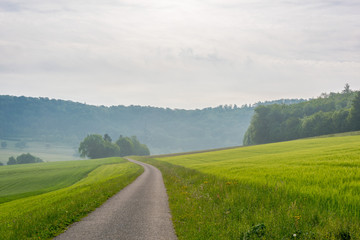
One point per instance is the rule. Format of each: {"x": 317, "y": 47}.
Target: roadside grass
{"x": 304, "y": 189}
{"x": 46, "y": 215}
{"x": 24, "y": 180}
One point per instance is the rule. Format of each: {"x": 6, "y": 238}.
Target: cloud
{"x": 178, "y": 53}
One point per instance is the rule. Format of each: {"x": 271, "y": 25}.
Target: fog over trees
{"x": 163, "y": 130}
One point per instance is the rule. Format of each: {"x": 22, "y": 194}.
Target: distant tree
{"x": 1, "y": 164}
{"x": 355, "y": 112}
{"x": 27, "y": 158}
{"x": 3, "y": 144}
{"x": 347, "y": 89}
{"x": 107, "y": 138}
{"x": 126, "y": 146}
{"x": 12, "y": 161}
{"x": 94, "y": 146}
{"x": 138, "y": 148}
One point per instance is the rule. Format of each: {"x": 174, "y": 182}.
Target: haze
{"x": 178, "y": 54}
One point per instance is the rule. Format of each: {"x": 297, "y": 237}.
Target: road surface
{"x": 139, "y": 211}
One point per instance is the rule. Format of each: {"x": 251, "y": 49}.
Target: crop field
{"x": 304, "y": 189}
{"x": 39, "y": 200}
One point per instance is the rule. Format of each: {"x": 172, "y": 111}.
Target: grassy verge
{"x": 305, "y": 189}
{"x": 45, "y": 216}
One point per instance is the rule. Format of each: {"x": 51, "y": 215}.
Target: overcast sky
{"x": 178, "y": 54}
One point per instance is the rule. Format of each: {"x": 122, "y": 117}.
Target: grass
{"x": 46, "y": 215}
{"x": 49, "y": 152}
{"x": 18, "y": 181}
{"x": 304, "y": 189}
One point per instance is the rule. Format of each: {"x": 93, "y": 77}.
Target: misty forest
{"x": 164, "y": 130}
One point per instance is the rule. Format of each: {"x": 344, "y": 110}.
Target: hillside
{"x": 39, "y": 201}
{"x": 327, "y": 114}
{"x": 163, "y": 130}
{"x": 302, "y": 189}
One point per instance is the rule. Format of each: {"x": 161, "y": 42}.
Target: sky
{"x": 179, "y": 54}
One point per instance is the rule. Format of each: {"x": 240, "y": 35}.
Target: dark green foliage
{"x": 1, "y": 164}
{"x": 328, "y": 114}
{"x": 12, "y": 161}
{"x": 164, "y": 130}
{"x": 107, "y": 138}
{"x": 355, "y": 113}
{"x": 95, "y": 146}
{"x": 256, "y": 232}
{"x": 126, "y": 146}
{"x": 24, "y": 159}
{"x": 27, "y": 158}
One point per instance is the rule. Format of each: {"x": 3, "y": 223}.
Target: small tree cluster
{"x": 24, "y": 159}
{"x": 96, "y": 146}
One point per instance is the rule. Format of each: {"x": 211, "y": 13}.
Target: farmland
{"x": 304, "y": 189}
{"x": 40, "y": 200}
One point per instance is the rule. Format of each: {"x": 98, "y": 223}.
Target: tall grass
{"x": 46, "y": 215}
{"x": 305, "y": 189}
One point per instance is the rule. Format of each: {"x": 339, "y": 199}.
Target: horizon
{"x": 163, "y": 107}
{"x": 181, "y": 55}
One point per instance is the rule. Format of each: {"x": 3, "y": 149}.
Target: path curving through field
{"x": 139, "y": 211}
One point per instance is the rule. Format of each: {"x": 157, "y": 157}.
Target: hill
{"x": 302, "y": 189}
{"x": 164, "y": 130}
{"x": 38, "y": 201}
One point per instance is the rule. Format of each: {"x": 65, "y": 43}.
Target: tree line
{"x": 328, "y": 114}
{"x": 97, "y": 146}
{"x": 24, "y": 159}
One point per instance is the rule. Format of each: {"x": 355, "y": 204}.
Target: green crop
{"x": 304, "y": 189}
{"x": 45, "y": 215}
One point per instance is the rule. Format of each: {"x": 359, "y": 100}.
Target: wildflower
{"x": 294, "y": 235}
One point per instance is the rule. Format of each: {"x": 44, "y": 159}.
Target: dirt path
{"x": 139, "y": 211}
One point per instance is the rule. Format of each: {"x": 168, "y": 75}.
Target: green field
{"x": 49, "y": 152}
{"x": 40, "y": 200}
{"x": 304, "y": 189}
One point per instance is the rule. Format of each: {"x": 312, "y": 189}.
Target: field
{"x": 304, "y": 189}
{"x": 40, "y": 200}
{"x": 48, "y": 152}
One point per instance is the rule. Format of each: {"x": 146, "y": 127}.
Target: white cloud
{"x": 178, "y": 53}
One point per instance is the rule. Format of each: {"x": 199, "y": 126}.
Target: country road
{"x": 139, "y": 211}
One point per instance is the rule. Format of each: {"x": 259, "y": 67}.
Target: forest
{"x": 163, "y": 130}
{"x": 327, "y": 114}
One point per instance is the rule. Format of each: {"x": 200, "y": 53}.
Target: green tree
{"x": 107, "y": 138}
{"x": 355, "y": 112}
{"x": 27, "y": 158}
{"x": 12, "y": 161}
{"x": 1, "y": 164}
{"x": 346, "y": 89}
{"x": 94, "y": 146}
{"x": 139, "y": 149}
{"x": 126, "y": 146}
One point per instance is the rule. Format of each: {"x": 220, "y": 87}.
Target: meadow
{"x": 303, "y": 189}
{"x": 40, "y": 200}
{"x": 47, "y": 151}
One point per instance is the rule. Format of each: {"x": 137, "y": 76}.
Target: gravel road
{"x": 139, "y": 211}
